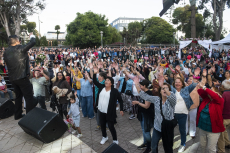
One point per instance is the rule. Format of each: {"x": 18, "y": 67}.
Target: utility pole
{"x": 39, "y": 27}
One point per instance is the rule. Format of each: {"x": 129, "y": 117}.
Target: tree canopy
{"x": 181, "y": 17}
{"x": 57, "y": 27}
{"x": 14, "y": 12}
{"x": 43, "y": 41}
{"x": 84, "y": 31}
{"x": 157, "y": 31}
{"x": 218, "y": 7}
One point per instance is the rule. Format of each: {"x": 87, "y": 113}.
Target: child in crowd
{"x": 74, "y": 111}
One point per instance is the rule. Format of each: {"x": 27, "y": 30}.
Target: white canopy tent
{"x": 223, "y": 41}
{"x": 204, "y": 43}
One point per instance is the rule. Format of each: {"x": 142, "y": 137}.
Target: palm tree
{"x": 57, "y": 27}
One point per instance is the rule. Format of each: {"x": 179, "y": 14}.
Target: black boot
{"x": 148, "y": 149}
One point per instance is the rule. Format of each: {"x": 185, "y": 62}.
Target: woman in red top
{"x": 209, "y": 118}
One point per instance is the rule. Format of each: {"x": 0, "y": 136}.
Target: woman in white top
{"x": 106, "y": 106}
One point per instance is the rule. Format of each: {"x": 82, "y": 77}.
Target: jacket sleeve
{"x": 96, "y": 83}
{"x": 29, "y": 45}
{"x": 203, "y": 94}
{"x": 151, "y": 99}
{"x": 191, "y": 87}
{"x": 216, "y": 98}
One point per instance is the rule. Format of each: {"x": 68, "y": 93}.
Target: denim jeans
{"x": 9, "y": 92}
{"x": 99, "y": 55}
{"x": 181, "y": 119}
{"x": 87, "y": 106}
{"x": 156, "y": 136}
{"x": 41, "y": 101}
{"x": 146, "y": 135}
{"x": 79, "y": 96}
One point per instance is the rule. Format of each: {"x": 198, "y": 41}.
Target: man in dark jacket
{"x": 17, "y": 61}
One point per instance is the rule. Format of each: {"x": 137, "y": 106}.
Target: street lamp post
{"x": 101, "y": 38}
{"x": 174, "y": 39}
{"x": 124, "y": 41}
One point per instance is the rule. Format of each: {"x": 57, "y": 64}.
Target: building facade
{"x": 122, "y": 22}
{"x": 51, "y": 36}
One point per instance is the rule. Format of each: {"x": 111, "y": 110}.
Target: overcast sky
{"x": 62, "y": 12}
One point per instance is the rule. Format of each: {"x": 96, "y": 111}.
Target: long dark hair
{"x": 63, "y": 77}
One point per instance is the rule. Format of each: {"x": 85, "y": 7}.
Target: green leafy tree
{"x": 218, "y": 7}
{"x": 37, "y": 41}
{"x": 31, "y": 26}
{"x": 113, "y": 35}
{"x": 157, "y": 31}
{"x": 57, "y": 27}
{"x": 125, "y": 36}
{"x": 14, "y": 12}
{"x": 24, "y": 26}
{"x": 182, "y": 18}
{"x": 55, "y": 43}
{"x": 3, "y": 36}
{"x": 135, "y": 31}
{"x": 84, "y": 31}
{"x": 43, "y": 41}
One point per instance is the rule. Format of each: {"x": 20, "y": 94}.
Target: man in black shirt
{"x": 17, "y": 61}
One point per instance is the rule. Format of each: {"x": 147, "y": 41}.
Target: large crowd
{"x": 152, "y": 84}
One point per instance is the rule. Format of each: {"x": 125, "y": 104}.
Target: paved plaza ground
{"x": 14, "y": 140}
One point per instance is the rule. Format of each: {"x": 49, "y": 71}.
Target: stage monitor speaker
{"x": 43, "y": 125}
{"x": 6, "y": 108}
{"x": 114, "y": 148}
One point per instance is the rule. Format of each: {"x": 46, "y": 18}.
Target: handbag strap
{"x": 161, "y": 109}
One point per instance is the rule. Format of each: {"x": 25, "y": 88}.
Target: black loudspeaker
{"x": 6, "y": 108}
{"x": 43, "y": 125}
{"x": 114, "y": 148}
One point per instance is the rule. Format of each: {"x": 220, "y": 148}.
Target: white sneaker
{"x": 181, "y": 148}
{"x": 115, "y": 141}
{"x": 132, "y": 117}
{"x": 74, "y": 131}
{"x": 104, "y": 140}
{"x": 79, "y": 135}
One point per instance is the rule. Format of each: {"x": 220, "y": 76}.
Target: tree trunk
{"x": 57, "y": 36}
{"x": 220, "y": 12}
{"x": 18, "y": 20}
{"x": 214, "y": 20}
{"x": 4, "y": 22}
{"x": 193, "y": 22}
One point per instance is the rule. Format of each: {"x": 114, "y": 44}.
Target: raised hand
{"x": 178, "y": 67}
{"x": 209, "y": 71}
{"x": 204, "y": 73}
{"x": 213, "y": 69}
{"x": 197, "y": 71}
{"x": 95, "y": 70}
{"x": 91, "y": 66}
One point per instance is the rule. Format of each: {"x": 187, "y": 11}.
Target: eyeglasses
{"x": 59, "y": 75}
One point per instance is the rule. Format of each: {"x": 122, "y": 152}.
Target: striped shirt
{"x": 167, "y": 109}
